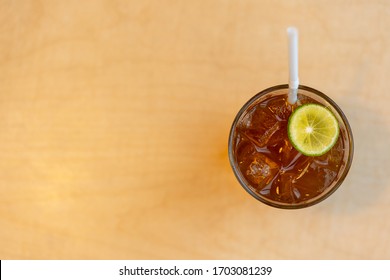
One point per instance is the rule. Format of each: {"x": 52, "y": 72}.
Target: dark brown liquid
{"x": 270, "y": 164}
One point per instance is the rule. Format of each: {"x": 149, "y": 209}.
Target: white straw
{"x": 293, "y": 64}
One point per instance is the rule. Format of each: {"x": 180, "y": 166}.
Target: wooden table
{"x": 115, "y": 115}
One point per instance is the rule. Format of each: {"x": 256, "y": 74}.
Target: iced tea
{"x": 266, "y": 163}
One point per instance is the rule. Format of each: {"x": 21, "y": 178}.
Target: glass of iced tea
{"x": 270, "y": 167}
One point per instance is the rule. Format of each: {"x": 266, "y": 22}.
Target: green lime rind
{"x": 313, "y": 129}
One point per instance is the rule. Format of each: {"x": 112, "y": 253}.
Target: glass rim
{"x": 321, "y": 196}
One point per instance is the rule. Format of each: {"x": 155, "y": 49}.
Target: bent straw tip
{"x": 292, "y": 30}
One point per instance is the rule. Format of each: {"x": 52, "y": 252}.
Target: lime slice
{"x": 313, "y": 129}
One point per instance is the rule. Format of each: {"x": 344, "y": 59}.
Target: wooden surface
{"x": 114, "y": 120}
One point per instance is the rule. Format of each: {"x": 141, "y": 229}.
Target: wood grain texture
{"x": 114, "y": 119}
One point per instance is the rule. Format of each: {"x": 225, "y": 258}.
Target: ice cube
{"x": 259, "y": 170}
{"x": 285, "y": 191}
{"x": 292, "y": 160}
{"x": 280, "y": 108}
{"x": 313, "y": 179}
{"x": 332, "y": 159}
{"x": 262, "y": 138}
{"x": 257, "y": 119}
{"x": 323, "y": 170}
{"x": 244, "y": 148}
{"x": 266, "y": 123}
